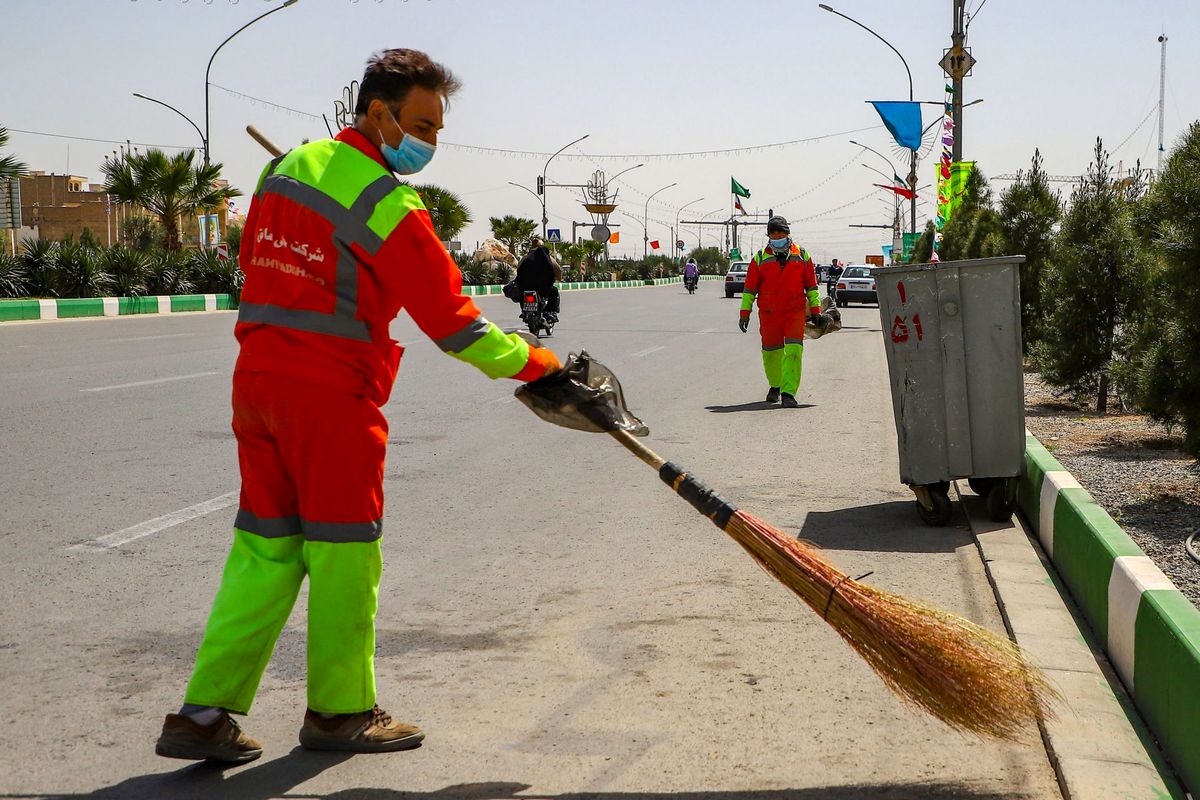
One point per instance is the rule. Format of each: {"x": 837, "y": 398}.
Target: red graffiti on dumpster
{"x": 899, "y": 331}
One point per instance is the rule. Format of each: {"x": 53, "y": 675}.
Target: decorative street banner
{"x": 950, "y": 190}
{"x": 909, "y": 244}
{"x": 903, "y": 119}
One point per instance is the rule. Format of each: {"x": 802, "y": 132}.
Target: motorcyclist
{"x": 538, "y": 272}
{"x": 691, "y": 272}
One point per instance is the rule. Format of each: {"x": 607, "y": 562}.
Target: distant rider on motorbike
{"x": 537, "y": 272}
{"x": 691, "y": 272}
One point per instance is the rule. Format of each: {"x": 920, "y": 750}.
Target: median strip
{"x": 76, "y": 307}
{"x": 1149, "y": 629}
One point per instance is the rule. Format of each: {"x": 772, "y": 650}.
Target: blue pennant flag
{"x": 903, "y": 121}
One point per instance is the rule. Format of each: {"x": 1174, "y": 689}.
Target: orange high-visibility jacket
{"x": 333, "y": 248}
{"x": 782, "y": 287}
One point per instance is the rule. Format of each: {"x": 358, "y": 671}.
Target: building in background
{"x": 57, "y": 206}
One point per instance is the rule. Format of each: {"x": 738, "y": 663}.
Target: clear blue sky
{"x": 640, "y": 76}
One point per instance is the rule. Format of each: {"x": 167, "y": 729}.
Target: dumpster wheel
{"x": 933, "y": 504}
{"x": 1001, "y": 499}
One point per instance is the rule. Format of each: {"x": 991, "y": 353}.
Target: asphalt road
{"x": 560, "y": 624}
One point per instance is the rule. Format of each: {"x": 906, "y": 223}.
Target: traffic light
{"x": 541, "y": 184}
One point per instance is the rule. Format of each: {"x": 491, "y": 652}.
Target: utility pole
{"x": 958, "y": 39}
{"x": 1162, "y": 97}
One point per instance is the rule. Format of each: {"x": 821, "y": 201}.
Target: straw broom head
{"x": 962, "y": 673}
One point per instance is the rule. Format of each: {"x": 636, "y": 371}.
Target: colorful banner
{"x": 903, "y": 119}
{"x": 950, "y": 190}
{"x": 908, "y": 245}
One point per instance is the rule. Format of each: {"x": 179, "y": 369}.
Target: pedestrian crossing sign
{"x": 554, "y": 235}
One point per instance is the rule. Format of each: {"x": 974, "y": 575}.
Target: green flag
{"x": 949, "y": 88}
{"x": 738, "y": 189}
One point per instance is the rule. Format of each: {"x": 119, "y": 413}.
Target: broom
{"x": 963, "y": 674}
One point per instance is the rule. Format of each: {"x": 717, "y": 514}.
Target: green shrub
{"x": 167, "y": 273}
{"x": 37, "y": 260}
{"x": 129, "y": 269}
{"x": 12, "y": 276}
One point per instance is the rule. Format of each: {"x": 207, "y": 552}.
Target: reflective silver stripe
{"x": 349, "y": 226}
{"x": 266, "y": 527}
{"x": 794, "y": 341}
{"x": 303, "y": 320}
{"x": 342, "y": 531}
{"x": 271, "y": 167}
{"x": 767, "y": 348}
{"x": 457, "y": 342}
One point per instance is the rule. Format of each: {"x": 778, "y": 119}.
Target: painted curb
{"x": 1149, "y": 629}
{"x": 577, "y": 285}
{"x": 69, "y": 308}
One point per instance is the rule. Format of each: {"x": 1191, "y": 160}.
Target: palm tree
{"x": 446, "y": 210}
{"x": 169, "y": 187}
{"x": 10, "y": 167}
{"x": 513, "y": 232}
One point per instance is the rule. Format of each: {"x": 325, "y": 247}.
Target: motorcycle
{"x": 690, "y": 284}
{"x": 534, "y": 314}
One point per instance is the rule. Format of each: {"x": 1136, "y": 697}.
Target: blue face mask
{"x": 412, "y": 156}
{"x": 780, "y": 244}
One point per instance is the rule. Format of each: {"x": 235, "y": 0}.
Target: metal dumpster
{"x": 952, "y": 332}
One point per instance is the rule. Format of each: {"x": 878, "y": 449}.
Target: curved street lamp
{"x": 545, "y": 167}
{"x": 912, "y": 160}
{"x": 674, "y": 247}
{"x": 646, "y": 219}
{"x": 208, "y": 69}
{"x": 203, "y": 140}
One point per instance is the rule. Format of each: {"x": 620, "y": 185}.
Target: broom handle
{"x": 267, "y": 144}
{"x": 701, "y": 498}
{"x": 640, "y": 450}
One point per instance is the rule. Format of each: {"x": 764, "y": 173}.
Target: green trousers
{"x": 783, "y": 365}
{"x": 258, "y": 589}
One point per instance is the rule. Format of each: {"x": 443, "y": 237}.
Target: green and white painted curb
{"x": 13, "y": 310}
{"x": 574, "y": 285}
{"x": 1150, "y": 630}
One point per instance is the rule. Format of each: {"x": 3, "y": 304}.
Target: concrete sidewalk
{"x": 1098, "y": 744}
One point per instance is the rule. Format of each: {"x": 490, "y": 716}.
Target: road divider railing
{"x": 67, "y": 308}
{"x": 1149, "y": 629}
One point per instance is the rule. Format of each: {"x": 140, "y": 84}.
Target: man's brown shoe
{"x": 222, "y": 740}
{"x": 371, "y": 731}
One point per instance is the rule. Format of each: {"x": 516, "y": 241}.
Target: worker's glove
{"x": 744, "y": 323}
{"x": 816, "y": 320}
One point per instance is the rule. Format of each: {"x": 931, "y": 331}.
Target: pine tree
{"x": 1163, "y": 372}
{"x": 974, "y": 230}
{"x": 1028, "y": 213}
{"x": 1092, "y": 285}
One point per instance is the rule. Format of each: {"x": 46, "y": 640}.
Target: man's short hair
{"x": 392, "y": 73}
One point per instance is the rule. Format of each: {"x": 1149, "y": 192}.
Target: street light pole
{"x": 912, "y": 160}
{"x": 203, "y": 141}
{"x": 208, "y": 69}
{"x": 646, "y": 220}
{"x": 674, "y": 235}
{"x": 546, "y": 167}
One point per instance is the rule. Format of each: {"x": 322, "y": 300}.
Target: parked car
{"x": 856, "y": 285}
{"x": 735, "y": 279}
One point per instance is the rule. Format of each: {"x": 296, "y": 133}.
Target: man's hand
{"x": 816, "y": 320}
{"x": 744, "y": 323}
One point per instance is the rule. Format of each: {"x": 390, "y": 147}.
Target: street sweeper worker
{"x": 783, "y": 279}
{"x": 335, "y": 247}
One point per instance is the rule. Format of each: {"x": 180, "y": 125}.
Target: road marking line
{"x": 153, "y": 526}
{"x": 147, "y": 338}
{"x": 648, "y": 351}
{"x": 706, "y": 330}
{"x": 585, "y": 316}
{"x": 148, "y": 383}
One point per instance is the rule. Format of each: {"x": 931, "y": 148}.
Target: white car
{"x": 856, "y": 284}
{"x": 735, "y": 279}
